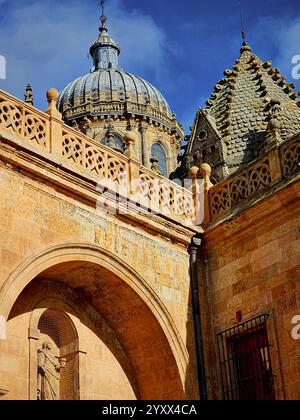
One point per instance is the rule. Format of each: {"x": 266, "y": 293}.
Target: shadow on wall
{"x": 120, "y": 335}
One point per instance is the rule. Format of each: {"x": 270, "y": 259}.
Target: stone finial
{"x": 205, "y": 172}
{"x": 193, "y": 172}
{"x": 29, "y": 95}
{"x": 130, "y": 137}
{"x": 52, "y": 95}
{"x": 273, "y": 136}
{"x": 52, "y": 98}
{"x": 205, "y": 169}
{"x": 274, "y": 124}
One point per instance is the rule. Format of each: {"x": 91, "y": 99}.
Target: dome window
{"x": 117, "y": 141}
{"x": 158, "y": 152}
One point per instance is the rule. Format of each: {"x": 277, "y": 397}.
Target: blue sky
{"x": 181, "y": 47}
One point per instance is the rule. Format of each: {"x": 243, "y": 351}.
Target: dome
{"x": 112, "y": 85}
{"x": 108, "y": 91}
{"x": 121, "y": 110}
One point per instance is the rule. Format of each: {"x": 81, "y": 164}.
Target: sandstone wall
{"x": 251, "y": 263}
{"x": 36, "y": 215}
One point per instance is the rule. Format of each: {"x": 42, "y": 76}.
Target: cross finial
{"x": 103, "y": 27}
{"x": 242, "y": 24}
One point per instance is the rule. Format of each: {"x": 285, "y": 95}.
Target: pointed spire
{"x": 242, "y": 24}
{"x": 29, "y": 94}
{"x": 104, "y": 51}
{"x": 245, "y": 46}
{"x": 103, "y": 27}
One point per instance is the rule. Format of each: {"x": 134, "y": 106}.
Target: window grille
{"x": 245, "y": 362}
{"x": 55, "y": 326}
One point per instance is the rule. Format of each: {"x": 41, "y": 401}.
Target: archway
{"x": 126, "y": 303}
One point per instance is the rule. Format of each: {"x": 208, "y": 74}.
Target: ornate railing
{"x": 278, "y": 164}
{"x": 20, "y": 119}
{"x": 164, "y": 196}
{"x": 90, "y": 155}
{"x": 108, "y": 168}
{"x": 290, "y": 157}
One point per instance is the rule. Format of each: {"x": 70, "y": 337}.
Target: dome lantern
{"x": 105, "y": 51}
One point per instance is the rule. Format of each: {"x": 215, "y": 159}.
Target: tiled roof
{"x": 251, "y": 98}
{"x": 242, "y": 102}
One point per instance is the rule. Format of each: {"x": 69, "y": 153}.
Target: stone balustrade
{"x": 276, "y": 166}
{"x": 127, "y": 178}
{"x": 111, "y": 170}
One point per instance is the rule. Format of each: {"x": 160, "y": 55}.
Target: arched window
{"x": 58, "y": 357}
{"x": 159, "y": 152}
{"x": 117, "y": 140}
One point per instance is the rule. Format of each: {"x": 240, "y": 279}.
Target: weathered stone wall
{"x": 251, "y": 263}
{"x": 36, "y": 215}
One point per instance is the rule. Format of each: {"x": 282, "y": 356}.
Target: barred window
{"x": 245, "y": 362}
{"x": 159, "y": 152}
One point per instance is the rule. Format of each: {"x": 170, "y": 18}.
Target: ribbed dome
{"x": 107, "y": 91}
{"x": 112, "y": 85}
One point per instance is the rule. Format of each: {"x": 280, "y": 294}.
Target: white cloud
{"x": 283, "y": 35}
{"x": 141, "y": 40}
{"x": 46, "y": 43}
{"x": 289, "y": 44}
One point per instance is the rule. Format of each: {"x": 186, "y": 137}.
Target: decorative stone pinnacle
{"x": 205, "y": 169}
{"x": 29, "y": 95}
{"x": 205, "y": 173}
{"x": 193, "y": 172}
{"x": 52, "y": 95}
{"x": 52, "y": 98}
{"x": 130, "y": 137}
